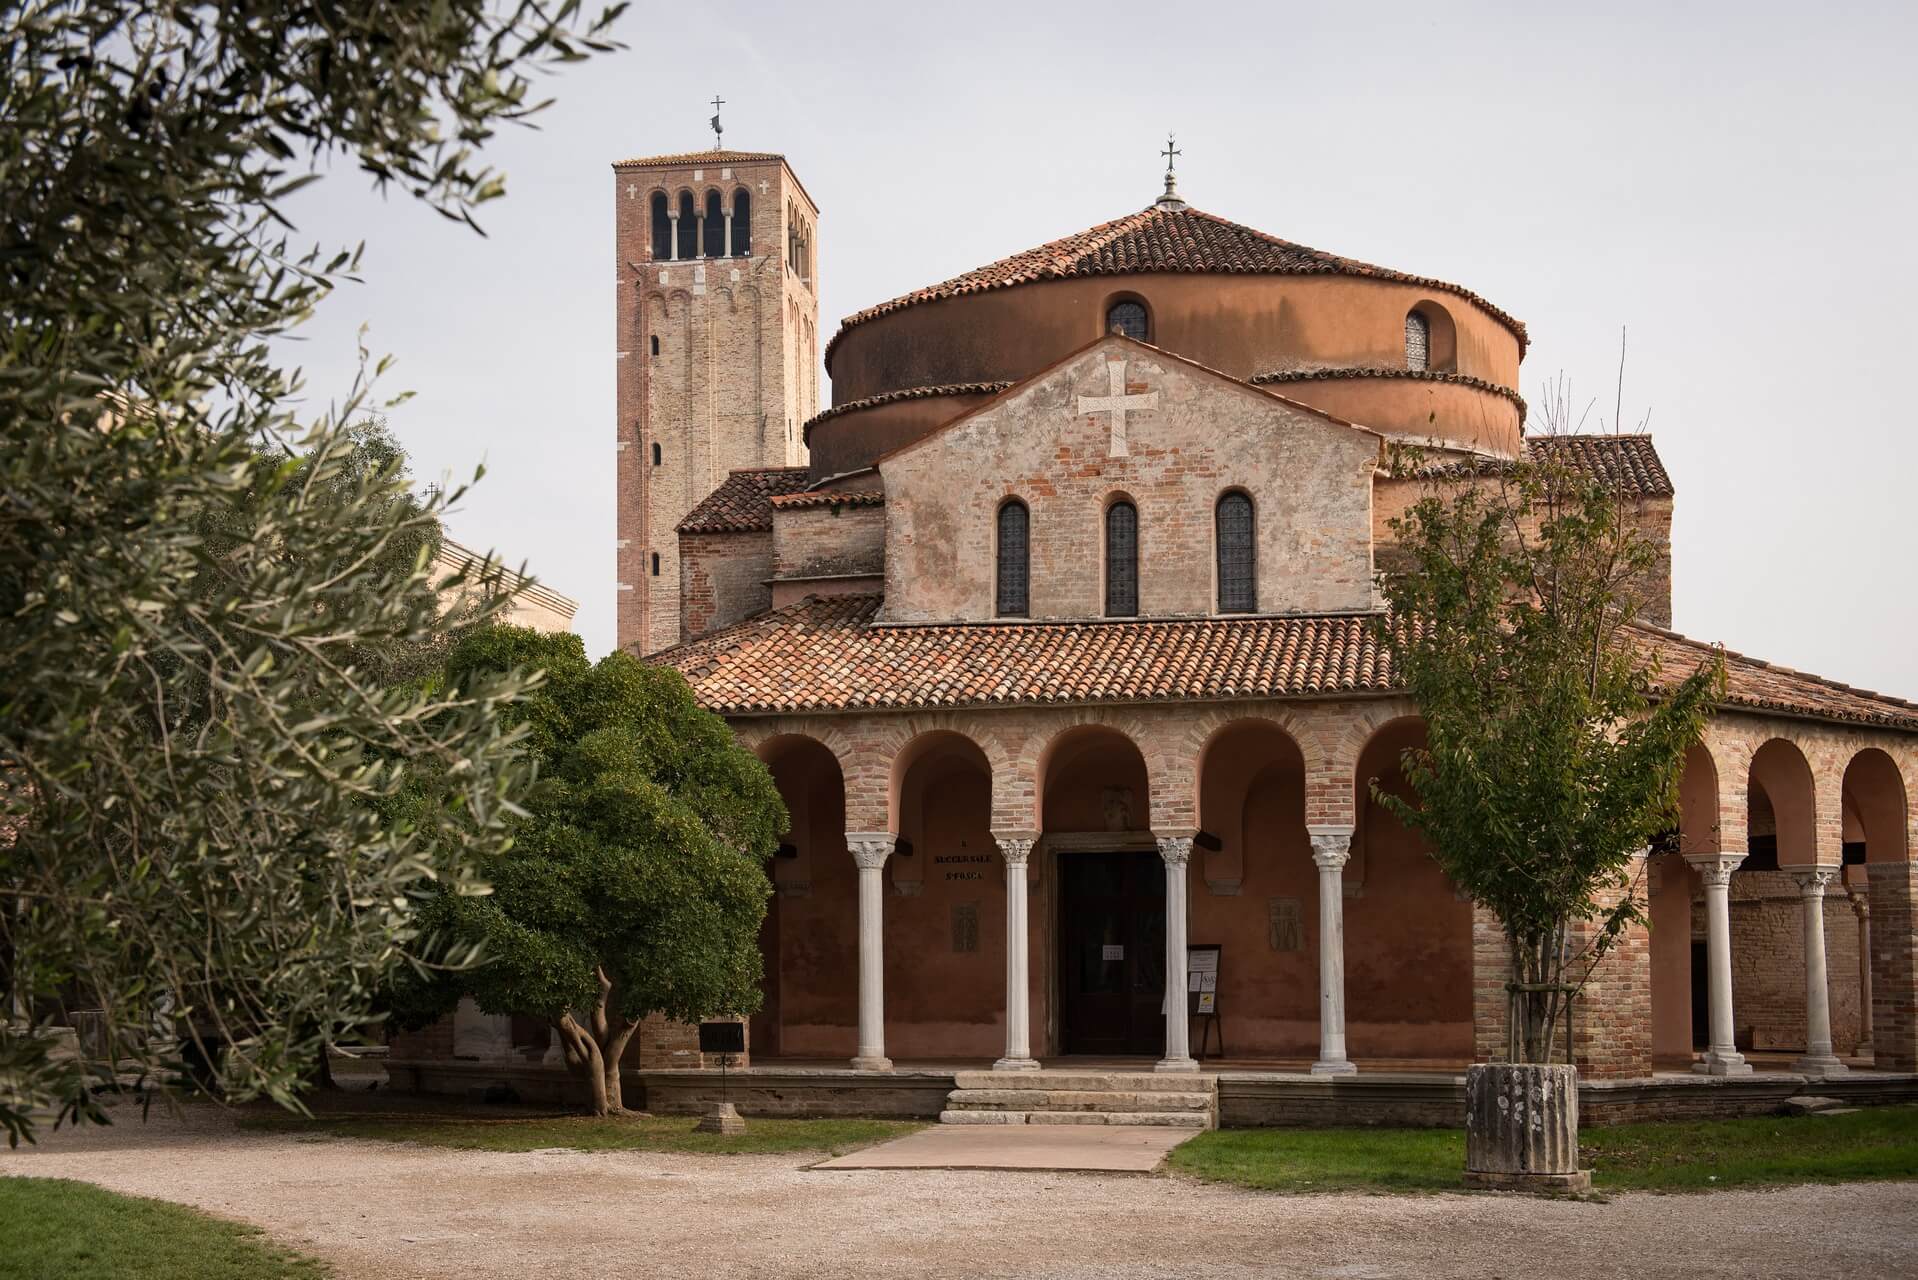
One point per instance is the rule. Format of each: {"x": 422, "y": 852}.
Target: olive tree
{"x": 202, "y": 762}
{"x": 636, "y": 882}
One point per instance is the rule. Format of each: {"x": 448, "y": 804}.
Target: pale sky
{"x": 1733, "y": 182}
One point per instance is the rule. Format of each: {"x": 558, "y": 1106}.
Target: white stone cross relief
{"x": 1118, "y": 404}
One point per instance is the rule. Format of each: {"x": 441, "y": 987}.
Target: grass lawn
{"x": 1874, "y": 1144}
{"x": 587, "y": 1133}
{"x": 76, "y": 1231}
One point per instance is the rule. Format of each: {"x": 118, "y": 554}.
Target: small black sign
{"x": 722, "y": 1037}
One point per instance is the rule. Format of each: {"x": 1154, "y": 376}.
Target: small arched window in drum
{"x": 1130, "y": 319}
{"x": 1418, "y": 341}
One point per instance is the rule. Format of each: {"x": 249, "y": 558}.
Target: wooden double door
{"x": 1112, "y": 953}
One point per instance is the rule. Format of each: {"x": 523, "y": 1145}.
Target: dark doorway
{"x": 1701, "y": 997}
{"x": 1112, "y": 952}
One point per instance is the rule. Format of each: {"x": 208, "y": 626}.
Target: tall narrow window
{"x": 658, "y": 457}
{"x": 655, "y": 564}
{"x": 1237, "y": 591}
{"x": 688, "y": 226}
{"x": 1122, "y": 560}
{"x": 655, "y": 344}
{"x": 1418, "y": 341}
{"x": 662, "y": 228}
{"x": 715, "y": 226}
{"x": 1128, "y": 318}
{"x": 1014, "y": 595}
{"x": 742, "y": 223}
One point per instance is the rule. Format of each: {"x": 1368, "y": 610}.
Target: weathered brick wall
{"x": 1768, "y": 963}
{"x": 1310, "y": 481}
{"x": 734, "y": 377}
{"x": 833, "y": 539}
{"x": 1894, "y": 964}
{"x": 723, "y": 578}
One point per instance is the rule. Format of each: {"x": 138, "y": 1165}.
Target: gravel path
{"x": 385, "y": 1210}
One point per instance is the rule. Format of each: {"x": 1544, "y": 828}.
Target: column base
{"x": 1016, "y": 1064}
{"x": 1820, "y": 1064}
{"x": 1176, "y": 1064}
{"x": 1865, "y": 1050}
{"x": 1328, "y": 1067}
{"x": 872, "y": 1062}
{"x": 1722, "y": 1064}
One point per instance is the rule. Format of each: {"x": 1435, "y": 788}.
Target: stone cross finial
{"x": 1118, "y": 404}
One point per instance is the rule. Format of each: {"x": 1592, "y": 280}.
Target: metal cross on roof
{"x": 1170, "y": 200}
{"x": 1169, "y": 152}
{"x": 718, "y": 102}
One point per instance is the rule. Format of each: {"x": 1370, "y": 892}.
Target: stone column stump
{"x": 1521, "y": 1128}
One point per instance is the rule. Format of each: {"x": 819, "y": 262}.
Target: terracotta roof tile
{"x": 1283, "y": 376}
{"x": 909, "y": 393}
{"x": 825, "y": 654}
{"x": 829, "y": 498}
{"x": 1630, "y": 463}
{"x": 698, "y": 157}
{"x": 1155, "y": 239}
{"x": 743, "y": 501}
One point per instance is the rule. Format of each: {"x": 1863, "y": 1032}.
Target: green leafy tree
{"x": 1554, "y": 743}
{"x": 199, "y": 760}
{"x": 636, "y": 884}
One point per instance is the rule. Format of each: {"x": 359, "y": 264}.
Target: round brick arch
{"x": 1121, "y": 736}
{"x": 1781, "y": 769}
{"x": 1875, "y": 791}
{"x": 927, "y": 745}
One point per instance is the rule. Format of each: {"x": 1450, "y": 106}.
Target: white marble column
{"x": 1715, "y": 869}
{"x": 1331, "y": 846}
{"x": 1177, "y": 852}
{"x": 1016, "y": 850}
{"x": 1819, "y": 1060}
{"x": 672, "y": 249}
{"x": 870, "y": 849}
{"x": 726, "y": 250}
{"x": 1861, "y": 907}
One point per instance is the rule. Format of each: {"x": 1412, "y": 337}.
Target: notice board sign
{"x": 1202, "y": 979}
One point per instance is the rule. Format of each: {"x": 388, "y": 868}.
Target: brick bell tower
{"x": 717, "y": 341}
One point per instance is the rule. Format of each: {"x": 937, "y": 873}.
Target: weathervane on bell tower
{"x": 718, "y": 102}
{"x": 1171, "y": 199}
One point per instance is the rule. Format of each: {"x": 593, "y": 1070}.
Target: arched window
{"x": 662, "y": 228}
{"x": 1233, "y": 532}
{"x": 742, "y": 223}
{"x": 1128, "y": 318}
{"x": 655, "y": 344}
{"x": 688, "y": 226}
{"x": 655, "y": 564}
{"x": 715, "y": 225}
{"x": 1122, "y": 560}
{"x": 1418, "y": 341}
{"x": 1015, "y": 557}
{"x": 657, "y": 455}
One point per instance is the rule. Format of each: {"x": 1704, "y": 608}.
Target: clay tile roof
{"x": 698, "y": 157}
{"x": 909, "y": 393}
{"x": 743, "y": 502}
{"x": 1628, "y": 463}
{"x": 829, "y": 498}
{"x": 825, "y": 654}
{"x": 1161, "y": 239}
{"x": 1412, "y": 375}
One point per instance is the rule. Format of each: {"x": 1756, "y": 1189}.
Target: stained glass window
{"x": 1418, "y": 341}
{"x": 1128, "y": 318}
{"x": 1237, "y": 591}
{"x": 1014, "y": 561}
{"x": 1122, "y": 560}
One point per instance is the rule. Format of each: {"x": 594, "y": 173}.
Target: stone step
{"x": 1075, "y": 1100}
{"x": 1154, "y": 1119}
{"x": 1093, "y": 1081}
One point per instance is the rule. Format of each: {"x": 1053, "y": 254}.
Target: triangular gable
{"x": 1121, "y": 342}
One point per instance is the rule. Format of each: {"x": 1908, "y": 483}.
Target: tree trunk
{"x": 593, "y": 1049}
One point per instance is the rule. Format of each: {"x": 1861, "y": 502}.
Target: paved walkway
{"x": 1082, "y": 1148}
{"x": 399, "y": 1212}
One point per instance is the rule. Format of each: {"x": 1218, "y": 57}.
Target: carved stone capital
{"x": 1813, "y": 881}
{"x": 1715, "y": 869}
{"x": 870, "y": 849}
{"x": 1176, "y": 850}
{"x": 1014, "y": 849}
{"x": 1331, "y": 846}
{"x": 1860, "y": 903}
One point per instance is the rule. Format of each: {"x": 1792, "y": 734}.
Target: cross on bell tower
{"x": 718, "y": 102}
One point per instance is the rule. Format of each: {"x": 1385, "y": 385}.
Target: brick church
{"x": 1054, "y": 631}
